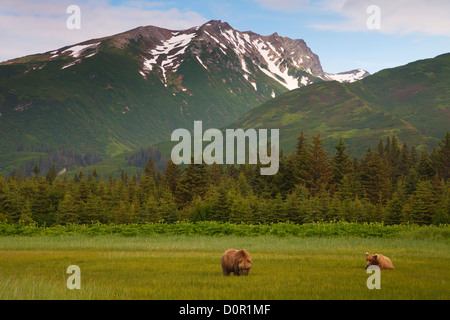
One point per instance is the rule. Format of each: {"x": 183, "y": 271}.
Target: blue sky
{"x": 336, "y": 30}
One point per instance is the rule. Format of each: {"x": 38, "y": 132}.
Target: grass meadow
{"x": 173, "y": 267}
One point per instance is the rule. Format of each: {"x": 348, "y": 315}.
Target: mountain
{"x": 411, "y": 102}
{"x": 118, "y": 93}
{"x": 349, "y": 76}
{"x": 289, "y": 62}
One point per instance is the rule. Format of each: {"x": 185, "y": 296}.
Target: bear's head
{"x": 372, "y": 259}
{"x": 245, "y": 264}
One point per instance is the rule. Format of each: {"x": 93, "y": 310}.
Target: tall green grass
{"x": 188, "y": 267}
{"x": 182, "y": 261}
{"x": 319, "y": 229}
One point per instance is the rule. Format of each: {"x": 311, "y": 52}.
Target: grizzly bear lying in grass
{"x": 238, "y": 262}
{"x": 379, "y": 260}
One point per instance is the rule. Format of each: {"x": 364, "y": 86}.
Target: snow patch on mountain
{"x": 71, "y": 64}
{"x": 273, "y": 60}
{"x": 304, "y": 81}
{"x": 238, "y": 43}
{"x": 349, "y": 76}
{"x": 201, "y": 62}
{"x": 171, "y": 49}
{"x": 215, "y": 39}
{"x": 244, "y": 66}
{"x": 78, "y": 49}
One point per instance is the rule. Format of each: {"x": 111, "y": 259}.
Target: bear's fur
{"x": 237, "y": 261}
{"x": 379, "y": 260}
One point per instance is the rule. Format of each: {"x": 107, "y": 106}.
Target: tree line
{"x": 59, "y": 158}
{"x": 392, "y": 183}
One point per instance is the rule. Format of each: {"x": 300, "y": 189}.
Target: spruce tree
{"x": 301, "y": 144}
{"x": 12, "y": 201}
{"x": 67, "y": 211}
{"x": 91, "y": 211}
{"x": 421, "y": 205}
{"x": 222, "y": 205}
{"x": 292, "y": 208}
{"x": 201, "y": 179}
{"x": 286, "y": 178}
{"x": 425, "y": 167}
{"x": 302, "y": 156}
{"x": 341, "y": 162}
{"x": 344, "y": 190}
{"x": 200, "y": 209}
{"x": 374, "y": 177}
{"x": 41, "y": 204}
{"x": 260, "y": 211}
{"x": 215, "y": 174}
{"x": 172, "y": 175}
{"x": 147, "y": 185}
{"x": 149, "y": 211}
{"x": 134, "y": 209}
{"x": 442, "y": 213}
{"x": 404, "y": 162}
{"x": 242, "y": 186}
{"x": 194, "y": 181}
{"x": 121, "y": 215}
{"x": 336, "y": 210}
{"x": 167, "y": 207}
{"x": 394, "y": 207}
{"x": 51, "y": 174}
{"x": 149, "y": 169}
{"x": 411, "y": 181}
{"x": 232, "y": 171}
{"x": 277, "y": 210}
{"x": 441, "y": 158}
{"x": 317, "y": 173}
{"x": 26, "y": 213}
{"x": 240, "y": 209}
{"x": 186, "y": 186}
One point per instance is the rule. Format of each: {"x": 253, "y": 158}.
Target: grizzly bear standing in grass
{"x": 238, "y": 262}
{"x": 379, "y": 260}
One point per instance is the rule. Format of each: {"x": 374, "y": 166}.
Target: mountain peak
{"x": 217, "y": 24}
{"x": 290, "y": 62}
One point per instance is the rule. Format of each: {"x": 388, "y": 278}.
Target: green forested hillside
{"x": 411, "y": 102}
{"x": 99, "y": 100}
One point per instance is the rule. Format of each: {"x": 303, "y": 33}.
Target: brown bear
{"x": 238, "y": 262}
{"x": 379, "y": 260}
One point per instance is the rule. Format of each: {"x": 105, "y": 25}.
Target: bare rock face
{"x": 288, "y": 61}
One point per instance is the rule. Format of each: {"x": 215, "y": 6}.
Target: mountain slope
{"x": 411, "y": 102}
{"x": 381, "y": 105}
{"x": 133, "y": 89}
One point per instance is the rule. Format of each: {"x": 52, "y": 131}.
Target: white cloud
{"x": 402, "y": 17}
{"x": 38, "y": 26}
{"x": 284, "y": 5}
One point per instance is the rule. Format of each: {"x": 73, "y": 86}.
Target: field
{"x": 172, "y": 267}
